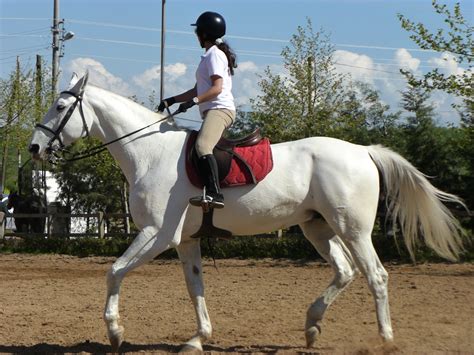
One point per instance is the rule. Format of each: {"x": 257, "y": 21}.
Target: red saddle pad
{"x": 258, "y": 157}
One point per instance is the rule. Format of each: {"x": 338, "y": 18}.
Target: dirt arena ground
{"x": 52, "y": 303}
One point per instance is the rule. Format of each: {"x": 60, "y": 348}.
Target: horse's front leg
{"x": 190, "y": 255}
{"x": 147, "y": 245}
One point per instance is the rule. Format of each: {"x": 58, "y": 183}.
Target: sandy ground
{"x": 54, "y": 303}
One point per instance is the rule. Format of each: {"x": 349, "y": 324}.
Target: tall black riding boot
{"x": 209, "y": 173}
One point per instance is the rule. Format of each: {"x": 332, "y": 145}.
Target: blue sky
{"x": 118, "y": 40}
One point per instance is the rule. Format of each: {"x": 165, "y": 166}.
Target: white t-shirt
{"x": 214, "y": 62}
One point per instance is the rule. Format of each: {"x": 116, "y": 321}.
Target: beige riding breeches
{"x": 216, "y": 121}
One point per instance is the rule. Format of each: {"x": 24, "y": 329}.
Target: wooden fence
{"x": 51, "y": 219}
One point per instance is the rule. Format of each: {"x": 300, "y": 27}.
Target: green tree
{"x": 455, "y": 38}
{"x": 367, "y": 119}
{"x": 18, "y": 110}
{"x": 92, "y": 184}
{"x": 420, "y": 131}
{"x": 436, "y": 151}
{"x": 307, "y": 99}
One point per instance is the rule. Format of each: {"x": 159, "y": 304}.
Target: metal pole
{"x": 55, "y": 31}
{"x": 162, "y": 68}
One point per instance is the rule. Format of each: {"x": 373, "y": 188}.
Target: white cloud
{"x": 352, "y": 63}
{"x": 447, "y": 64}
{"x": 245, "y": 83}
{"x": 99, "y": 75}
{"x": 247, "y": 66}
{"x": 405, "y": 60}
{"x": 150, "y": 78}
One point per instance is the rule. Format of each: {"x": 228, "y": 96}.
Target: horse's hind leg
{"x": 377, "y": 278}
{"x": 144, "y": 248}
{"x": 331, "y": 248}
{"x": 354, "y": 226}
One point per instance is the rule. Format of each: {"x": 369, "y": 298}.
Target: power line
{"x": 116, "y": 58}
{"x": 115, "y": 25}
{"x": 23, "y": 54}
{"x": 264, "y": 39}
{"x": 243, "y": 52}
{"x": 20, "y": 49}
{"x": 192, "y": 65}
{"x": 194, "y": 49}
{"x": 253, "y": 53}
{"x": 37, "y": 30}
{"x": 382, "y": 48}
{"x": 35, "y": 36}
{"x": 25, "y": 18}
{"x": 142, "y": 44}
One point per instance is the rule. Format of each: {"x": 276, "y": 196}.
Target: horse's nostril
{"x": 34, "y": 148}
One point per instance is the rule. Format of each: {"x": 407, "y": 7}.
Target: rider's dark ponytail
{"x": 230, "y": 54}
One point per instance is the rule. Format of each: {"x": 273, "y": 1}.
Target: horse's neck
{"x": 118, "y": 116}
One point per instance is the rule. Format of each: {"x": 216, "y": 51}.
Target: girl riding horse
{"x": 212, "y": 93}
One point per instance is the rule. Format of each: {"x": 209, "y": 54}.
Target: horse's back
{"x": 327, "y": 153}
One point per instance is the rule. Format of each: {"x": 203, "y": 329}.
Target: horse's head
{"x": 64, "y": 123}
{"x": 13, "y": 199}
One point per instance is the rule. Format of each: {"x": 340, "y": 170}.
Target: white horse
{"x": 311, "y": 177}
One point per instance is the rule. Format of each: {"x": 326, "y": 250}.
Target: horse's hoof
{"x": 191, "y": 349}
{"x": 311, "y": 335}
{"x": 116, "y": 338}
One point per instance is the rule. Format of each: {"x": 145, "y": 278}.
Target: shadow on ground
{"x": 98, "y": 348}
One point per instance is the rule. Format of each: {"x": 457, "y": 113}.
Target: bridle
{"x": 51, "y": 149}
{"x": 56, "y": 133}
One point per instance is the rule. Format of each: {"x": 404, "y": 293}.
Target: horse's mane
{"x": 130, "y": 101}
{"x": 170, "y": 125}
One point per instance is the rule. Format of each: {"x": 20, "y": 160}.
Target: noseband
{"x": 56, "y": 133}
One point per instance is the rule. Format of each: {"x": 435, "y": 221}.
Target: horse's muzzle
{"x": 34, "y": 148}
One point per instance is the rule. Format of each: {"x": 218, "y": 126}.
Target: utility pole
{"x": 162, "y": 68}
{"x": 56, "y": 48}
{"x": 59, "y": 36}
{"x": 39, "y": 180}
{"x": 38, "y": 89}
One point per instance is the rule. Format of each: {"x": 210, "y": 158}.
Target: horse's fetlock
{"x": 205, "y": 333}
{"x": 313, "y": 315}
{"x": 110, "y": 319}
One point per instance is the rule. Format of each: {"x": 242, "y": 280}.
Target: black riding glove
{"x": 186, "y": 105}
{"x": 166, "y": 103}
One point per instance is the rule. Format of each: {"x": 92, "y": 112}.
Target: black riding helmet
{"x": 211, "y": 25}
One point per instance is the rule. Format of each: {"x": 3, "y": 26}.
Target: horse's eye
{"x": 60, "y": 107}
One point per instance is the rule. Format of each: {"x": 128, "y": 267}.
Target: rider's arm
{"x": 187, "y": 96}
{"x": 213, "y": 91}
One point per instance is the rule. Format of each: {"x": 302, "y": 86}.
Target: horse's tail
{"x": 417, "y": 205}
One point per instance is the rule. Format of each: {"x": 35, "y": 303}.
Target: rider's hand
{"x": 186, "y": 105}
{"x": 166, "y": 103}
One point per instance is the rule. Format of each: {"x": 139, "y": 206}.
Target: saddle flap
{"x": 237, "y": 164}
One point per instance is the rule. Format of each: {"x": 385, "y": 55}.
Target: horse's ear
{"x": 73, "y": 81}
{"x": 85, "y": 79}
{"x": 80, "y": 85}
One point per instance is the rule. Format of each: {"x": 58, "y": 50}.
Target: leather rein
{"x": 53, "y": 150}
